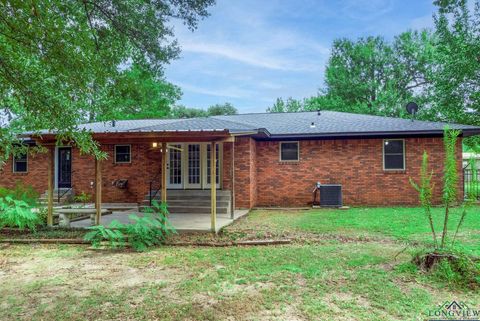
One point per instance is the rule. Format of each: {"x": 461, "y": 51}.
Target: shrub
{"x": 100, "y": 233}
{"x": 42, "y": 213}
{"x": 17, "y": 213}
{"x": 149, "y": 230}
{"x": 83, "y": 198}
{"x": 22, "y": 192}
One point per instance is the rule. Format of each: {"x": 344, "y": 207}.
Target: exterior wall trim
{"x": 280, "y": 152}
{"x": 13, "y": 165}
{"x": 115, "y": 153}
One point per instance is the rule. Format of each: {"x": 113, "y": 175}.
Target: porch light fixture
{"x": 154, "y": 145}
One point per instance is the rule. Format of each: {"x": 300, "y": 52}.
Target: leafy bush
{"x": 146, "y": 231}
{"x": 83, "y": 198}
{"x": 42, "y": 213}
{"x": 22, "y": 192}
{"x": 17, "y": 213}
{"x": 100, "y": 233}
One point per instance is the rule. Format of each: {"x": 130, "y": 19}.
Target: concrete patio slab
{"x": 183, "y": 223}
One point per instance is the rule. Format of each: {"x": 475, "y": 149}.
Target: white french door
{"x": 193, "y": 166}
{"x": 188, "y": 165}
{"x": 174, "y": 166}
{"x": 207, "y": 153}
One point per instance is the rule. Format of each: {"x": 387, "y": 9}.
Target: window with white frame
{"x": 393, "y": 154}
{"x": 289, "y": 151}
{"x": 20, "y": 163}
{"x": 122, "y": 154}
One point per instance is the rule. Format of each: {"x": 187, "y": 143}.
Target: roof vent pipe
{"x": 319, "y": 112}
{"x": 312, "y": 125}
{"x": 113, "y": 123}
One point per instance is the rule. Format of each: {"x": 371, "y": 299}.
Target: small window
{"x": 289, "y": 151}
{"x": 394, "y": 154}
{"x": 20, "y": 163}
{"x": 122, "y": 154}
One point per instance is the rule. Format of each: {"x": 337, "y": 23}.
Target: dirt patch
{"x": 52, "y": 273}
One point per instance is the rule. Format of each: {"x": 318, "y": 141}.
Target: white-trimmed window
{"x": 289, "y": 152}
{"x": 20, "y": 163}
{"x": 123, "y": 154}
{"x": 394, "y": 154}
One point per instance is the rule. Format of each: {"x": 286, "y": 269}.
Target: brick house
{"x": 261, "y": 160}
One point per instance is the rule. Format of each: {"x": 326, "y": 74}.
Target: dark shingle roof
{"x": 327, "y": 123}
{"x": 333, "y": 123}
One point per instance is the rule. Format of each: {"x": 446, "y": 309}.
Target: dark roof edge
{"x": 465, "y": 133}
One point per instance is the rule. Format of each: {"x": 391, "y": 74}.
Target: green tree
{"x": 373, "y": 76}
{"x": 222, "y": 109}
{"x": 142, "y": 96}
{"x": 358, "y": 70}
{"x": 60, "y": 58}
{"x": 457, "y": 76}
{"x": 290, "y": 105}
{"x": 187, "y": 112}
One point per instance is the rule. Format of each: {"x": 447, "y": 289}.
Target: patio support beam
{"x": 98, "y": 191}
{"x": 213, "y": 186}
{"x": 164, "y": 172}
{"x": 232, "y": 184}
{"x": 50, "y": 168}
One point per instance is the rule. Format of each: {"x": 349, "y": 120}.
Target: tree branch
{"x": 89, "y": 19}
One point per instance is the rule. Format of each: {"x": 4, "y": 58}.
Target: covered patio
{"x": 205, "y": 159}
{"x": 183, "y": 223}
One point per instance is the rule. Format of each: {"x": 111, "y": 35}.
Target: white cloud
{"x": 250, "y": 55}
{"x": 366, "y": 9}
{"x": 228, "y": 92}
{"x": 232, "y": 53}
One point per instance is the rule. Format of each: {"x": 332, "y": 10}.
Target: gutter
{"x": 439, "y": 133}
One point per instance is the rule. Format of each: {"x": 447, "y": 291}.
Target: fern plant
{"x": 425, "y": 192}
{"x": 149, "y": 230}
{"x": 17, "y": 213}
{"x": 450, "y": 176}
{"x": 112, "y": 234}
{"x": 22, "y": 192}
{"x": 145, "y": 232}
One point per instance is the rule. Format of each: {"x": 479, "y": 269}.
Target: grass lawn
{"x": 342, "y": 265}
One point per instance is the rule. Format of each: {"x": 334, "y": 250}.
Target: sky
{"x": 249, "y": 52}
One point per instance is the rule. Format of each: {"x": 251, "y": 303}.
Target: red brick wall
{"x": 36, "y": 176}
{"x": 245, "y": 172}
{"x": 145, "y": 164}
{"x": 260, "y": 178}
{"x": 356, "y": 164}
